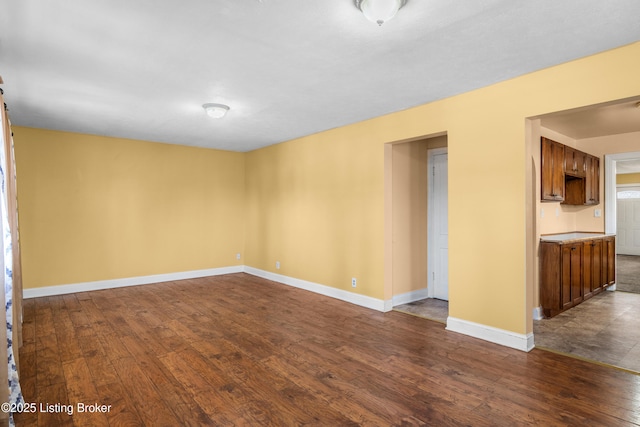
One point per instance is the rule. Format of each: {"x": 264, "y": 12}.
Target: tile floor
{"x": 604, "y": 329}
{"x": 429, "y": 308}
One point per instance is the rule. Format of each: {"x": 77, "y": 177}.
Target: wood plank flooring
{"x": 239, "y": 350}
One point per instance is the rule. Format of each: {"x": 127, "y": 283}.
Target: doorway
{"x": 412, "y": 210}
{"x": 628, "y": 221}
{"x": 437, "y": 217}
{"x": 623, "y": 216}
{"x": 599, "y": 328}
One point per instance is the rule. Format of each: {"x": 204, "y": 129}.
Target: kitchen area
{"x": 579, "y": 311}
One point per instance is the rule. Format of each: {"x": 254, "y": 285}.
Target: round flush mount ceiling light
{"x": 379, "y": 11}
{"x": 217, "y": 111}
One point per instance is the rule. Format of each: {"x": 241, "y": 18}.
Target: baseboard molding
{"x": 537, "y": 313}
{"x": 351, "y": 297}
{"x": 487, "y": 333}
{"x": 129, "y": 281}
{"x": 412, "y": 296}
{"x": 491, "y": 334}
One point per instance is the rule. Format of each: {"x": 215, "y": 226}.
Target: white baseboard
{"x": 487, "y": 333}
{"x": 129, "y": 281}
{"x": 491, "y": 334}
{"x": 361, "y": 300}
{"x": 537, "y": 313}
{"x": 412, "y": 296}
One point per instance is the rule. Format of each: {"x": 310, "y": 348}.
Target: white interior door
{"x": 439, "y": 227}
{"x": 628, "y": 221}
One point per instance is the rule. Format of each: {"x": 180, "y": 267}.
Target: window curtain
{"x": 7, "y": 199}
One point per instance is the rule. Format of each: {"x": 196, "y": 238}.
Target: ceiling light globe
{"x": 217, "y": 111}
{"x": 380, "y": 11}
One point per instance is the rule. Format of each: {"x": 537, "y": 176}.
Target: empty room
{"x": 235, "y": 212}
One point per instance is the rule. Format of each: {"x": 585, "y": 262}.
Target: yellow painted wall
{"x": 95, "y": 208}
{"x": 628, "y": 178}
{"x": 316, "y": 203}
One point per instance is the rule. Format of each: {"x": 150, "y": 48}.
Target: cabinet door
{"x": 579, "y": 162}
{"x": 591, "y": 268}
{"x": 587, "y": 269}
{"x": 596, "y": 266}
{"x": 592, "y": 182}
{"x": 571, "y": 275}
{"x": 551, "y": 278}
{"x": 552, "y": 170}
{"x": 569, "y": 161}
{"x": 576, "y": 273}
{"x": 565, "y": 290}
{"x": 610, "y": 243}
{"x": 604, "y": 271}
{"x": 574, "y": 162}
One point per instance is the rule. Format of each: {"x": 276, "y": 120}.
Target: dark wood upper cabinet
{"x": 568, "y": 175}
{"x": 552, "y": 170}
{"x": 574, "y": 162}
{"x": 592, "y": 180}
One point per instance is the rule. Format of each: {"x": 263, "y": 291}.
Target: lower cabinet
{"x": 574, "y": 271}
{"x": 592, "y": 269}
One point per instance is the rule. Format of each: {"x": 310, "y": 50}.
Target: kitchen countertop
{"x": 567, "y": 237}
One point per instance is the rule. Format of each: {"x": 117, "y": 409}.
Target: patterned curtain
{"x": 15, "y": 394}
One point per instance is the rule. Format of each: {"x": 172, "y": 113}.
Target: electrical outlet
{"x": 354, "y": 282}
{"x": 597, "y": 213}
{"x": 238, "y": 256}
{"x": 541, "y": 213}
{"x": 277, "y": 265}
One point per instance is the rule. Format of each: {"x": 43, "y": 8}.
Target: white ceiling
{"x": 627, "y": 166}
{"x": 287, "y": 68}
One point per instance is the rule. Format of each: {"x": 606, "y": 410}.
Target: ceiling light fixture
{"x": 379, "y": 11}
{"x": 217, "y": 111}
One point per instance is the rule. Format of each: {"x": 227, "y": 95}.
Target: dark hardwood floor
{"x": 239, "y": 350}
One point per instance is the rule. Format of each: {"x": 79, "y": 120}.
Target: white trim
{"x": 361, "y": 300}
{"x": 537, "y": 313}
{"x": 491, "y": 334}
{"x": 129, "y": 281}
{"x": 412, "y": 296}
{"x": 431, "y": 241}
